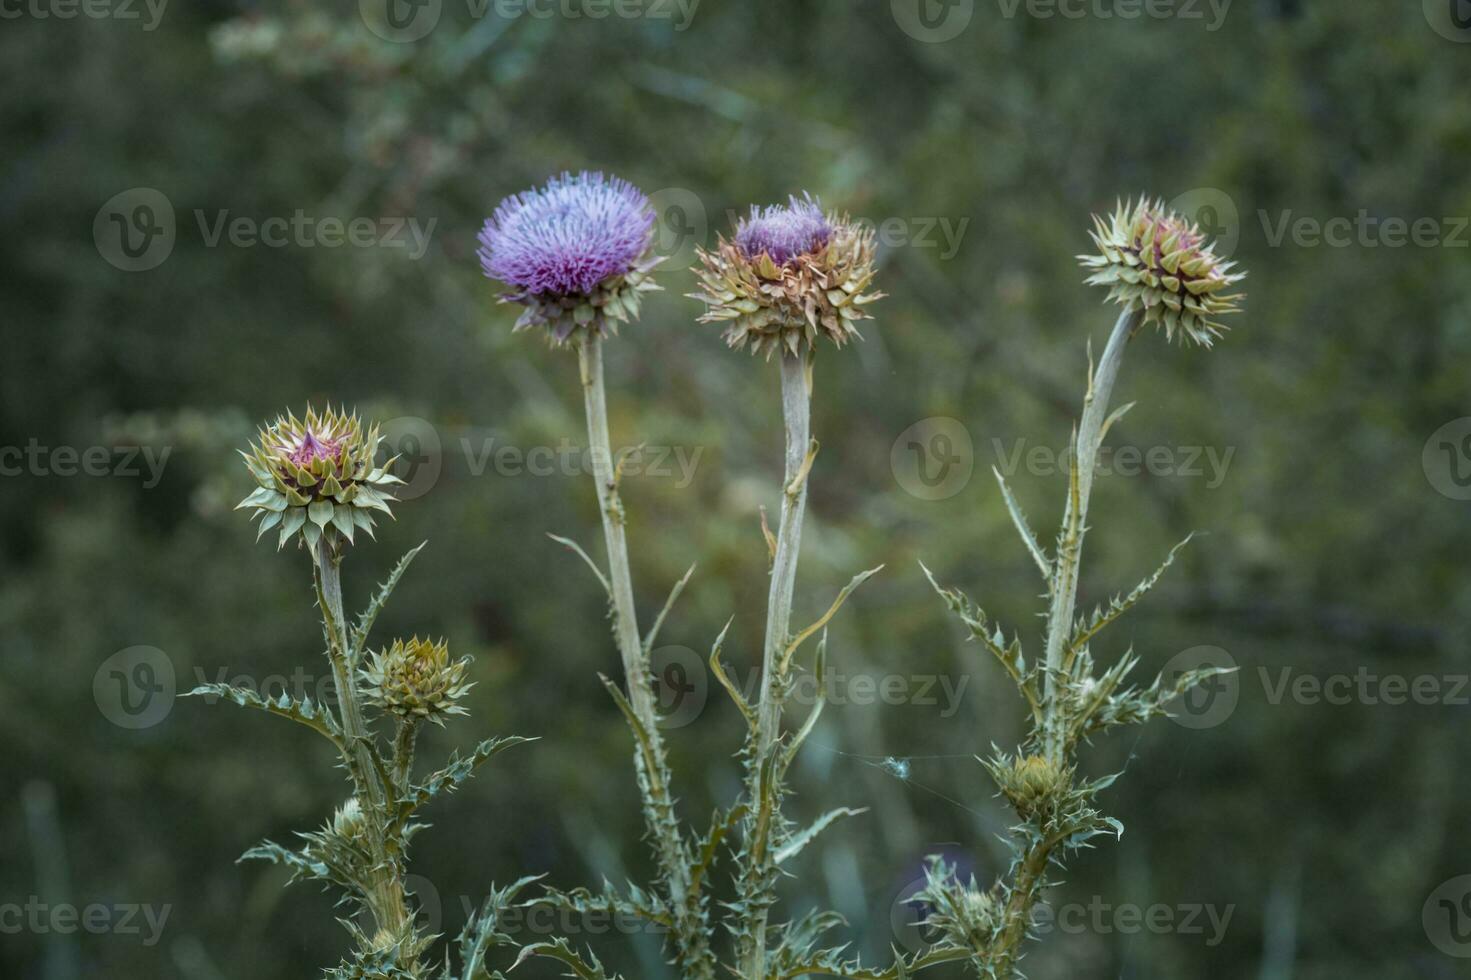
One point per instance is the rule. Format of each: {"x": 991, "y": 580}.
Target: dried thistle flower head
{"x": 1156, "y": 261}
{"x": 316, "y": 477}
{"x": 577, "y": 253}
{"x": 416, "y": 680}
{"x": 789, "y": 275}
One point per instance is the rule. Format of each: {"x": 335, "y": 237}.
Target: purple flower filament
{"x": 568, "y": 237}
{"x": 784, "y": 233}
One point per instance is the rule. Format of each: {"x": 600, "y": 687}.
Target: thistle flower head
{"x": 316, "y": 477}
{"x": 1032, "y": 783}
{"x": 1154, "y": 260}
{"x": 789, "y": 276}
{"x": 416, "y": 680}
{"x": 577, "y": 253}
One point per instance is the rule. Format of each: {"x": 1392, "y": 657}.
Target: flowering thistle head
{"x": 416, "y": 680}
{"x": 1154, "y": 260}
{"x": 577, "y": 253}
{"x": 316, "y": 477}
{"x": 789, "y": 275}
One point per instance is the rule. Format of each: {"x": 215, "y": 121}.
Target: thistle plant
{"x": 577, "y": 254}
{"x": 1160, "y": 269}
{"x": 789, "y": 277}
{"x": 317, "y": 480}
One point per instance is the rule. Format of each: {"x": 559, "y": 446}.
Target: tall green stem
{"x": 1064, "y": 589}
{"x": 796, "y": 399}
{"x": 670, "y": 848}
{"x": 387, "y": 895}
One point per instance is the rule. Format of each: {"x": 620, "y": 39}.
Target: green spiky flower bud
{"x": 1032, "y": 783}
{"x": 1156, "y": 261}
{"x": 416, "y": 680}
{"x": 316, "y": 477}
{"x": 788, "y": 276}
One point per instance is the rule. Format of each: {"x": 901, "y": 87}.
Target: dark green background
{"x": 1326, "y": 549}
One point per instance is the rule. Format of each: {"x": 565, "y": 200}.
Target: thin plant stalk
{"x": 1064, "y": 586}
{"x": 670, "y": 848}
{"x": 387, "y": 898}
{"x": 796, "y": 399}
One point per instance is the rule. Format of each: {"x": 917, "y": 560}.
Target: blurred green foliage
{"x": 1326, "y": 549}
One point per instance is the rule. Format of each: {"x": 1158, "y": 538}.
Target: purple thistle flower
{"x": 784, "y": 233}
{"x": 568, "y": 237}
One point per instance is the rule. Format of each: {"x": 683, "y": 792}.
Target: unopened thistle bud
{"x": 349, "y": 821}
{"x": 1032, "y": 783}
{"x": 416, "y": 680}
{"x": 789, "y": 275}
{"x": 1154, "y": 260}
{"x": 577, "y": 253}
{"x": 317, "y": 477}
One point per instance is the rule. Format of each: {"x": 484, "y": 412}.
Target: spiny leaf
{"x": 1085, "y": 630}
{"x": 1020, "y": 520}
{"x": 819, "y": 670}
{"x": 575, "y": 547}
{"x": 794, "y": 844}
{"x": 452, "y": 776}
{"x": 560, "y": 949}
{"x": 365, "y": 621}
{"x": 848, "y": 589}
{"x": 1009, "y": 654}
{"x": 305, "y": 712}
{"x": 668, "y": 604}
{"x": 718, "y": 669}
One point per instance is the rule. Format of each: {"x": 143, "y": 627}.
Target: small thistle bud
{"x": 1032, "y": 783}
{"x": 316, "y": 477}
{"x": 349, "y": 822}
{"x": 416, "y": 680}
{"x": 577, "y": 253}
{"x": 1156, "y": 261}
{"x": 790, "y": 275}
